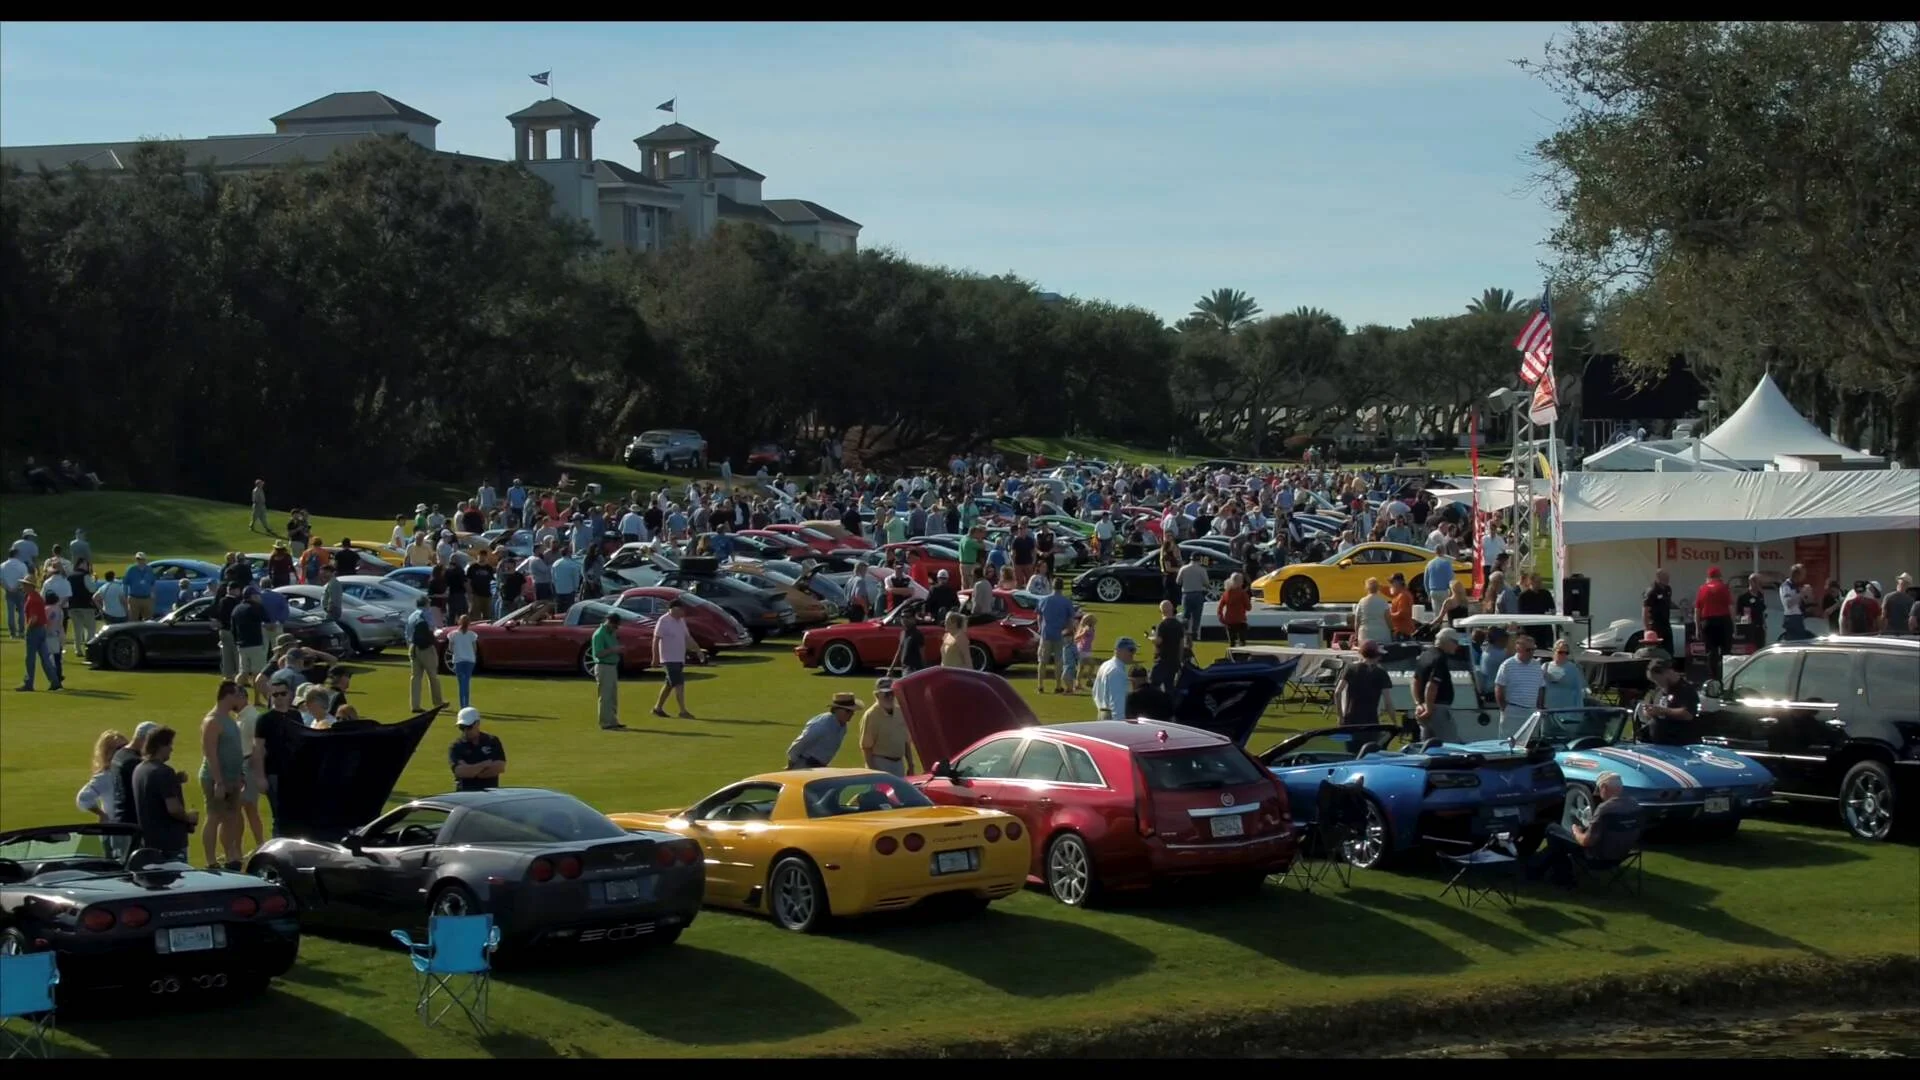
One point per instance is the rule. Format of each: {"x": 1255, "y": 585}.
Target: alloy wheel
{"x": 793, "y": 896}
{"x": 1366, "y": 850}
{"x": 1109, "y": 590}
{"x": 1867, "y": 804}
{"x": 1068, "y": 871}
{"x": 452, "y": 902}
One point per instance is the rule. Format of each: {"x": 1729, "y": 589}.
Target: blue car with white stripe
{"x": 1701, "y": 789}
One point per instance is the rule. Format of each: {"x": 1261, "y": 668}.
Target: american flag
{"x": 1536, "y": 343}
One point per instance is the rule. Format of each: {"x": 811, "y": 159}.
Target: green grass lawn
{"x": 1790, "y": 889}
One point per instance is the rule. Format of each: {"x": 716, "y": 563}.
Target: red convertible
{"x": 822, "y": 543}
{"x": 924, "y": 561}
{"x": 535, "y": 639}
{"x": 784, "y": 545}
{"x": 843, "y": 649}
{"x": 712, "y": 628}
{"x": 1108, "y": 804}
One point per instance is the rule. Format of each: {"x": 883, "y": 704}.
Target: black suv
{"x": 1836, "y": 720}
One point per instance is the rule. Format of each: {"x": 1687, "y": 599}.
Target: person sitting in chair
{"x": 1608, "y": 835}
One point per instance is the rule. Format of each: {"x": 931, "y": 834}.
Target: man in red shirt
{"x": 38, "y": 645}
{"x": 1713, "y": 618}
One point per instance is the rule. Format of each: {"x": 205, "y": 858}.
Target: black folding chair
{"x": 1628, "y": 872}
{"x": 1489, "y": 870}
{"x": 1326, "y": 847}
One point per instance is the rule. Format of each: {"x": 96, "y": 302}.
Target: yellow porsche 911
{"x": 808, "y": 845}
{"x": 1343, "y": 578}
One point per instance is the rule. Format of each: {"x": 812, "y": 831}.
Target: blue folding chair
{"x": 27, "y": 982}
{"x": 454, "y": 962}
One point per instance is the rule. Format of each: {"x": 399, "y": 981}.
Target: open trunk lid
{"x": 338, "y": 780}
{"x": 949, "y": 709}
{"x": 1228, "y": 698}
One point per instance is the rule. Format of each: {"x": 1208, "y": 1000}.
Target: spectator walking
{"x": 1056, "y": 618}
{"x": 463, "y": 652}
{"x": 1364, "y": 690}
{"x": 672, "y": 643}
{"x": 1236, "y": 602}
{"x": 258, "y": 523}
{"x": 604, "y": 650}
{"x": 1373, "y": 616}
{"x": 1192, "y": 582}
{"x": 422, "y": 657}
{"x": 15, "y": 573}
{"x": 1169, "y": 649}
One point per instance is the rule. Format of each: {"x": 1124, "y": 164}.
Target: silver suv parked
{"x": 665, "y": 448}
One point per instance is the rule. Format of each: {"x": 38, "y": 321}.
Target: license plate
{"x": 620, "y": 889}
{"x": 953, "y": 862}
{"x": 190, "y": 939}
{"x": 1229, "y": 825}
{"x": 1719, "y": 806}
{"x": 1506, "y": 811}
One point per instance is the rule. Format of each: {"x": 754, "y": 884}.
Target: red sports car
{"x": 822, "y": 543}
{"x": 841, "y": 537}
{"x": 845, "y": 648}
{"x": 770, "y": 454}
{"x": 783, "y": 545}
{"x": 535, "y": 639}
{"x": 712, "y": 628}
{"x": 1110, "y": 804}
{"x": 924, "y": 561}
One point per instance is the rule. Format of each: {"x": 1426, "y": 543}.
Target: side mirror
{"x": 1346, "y": 564}
{"x": 1713, "y": 689}
{"x": 352, "y": 842}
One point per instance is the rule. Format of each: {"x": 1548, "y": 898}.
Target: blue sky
{"x": 1377, "y": 170}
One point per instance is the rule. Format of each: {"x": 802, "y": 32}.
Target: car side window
{"x": 994, "y": 761}
{"x": 413, "y": 828}
{"x": 1826, "y": 677}
{"x": 1768, "y": 676}
{"x": 1406, "y": 557}
{"x": 589, "y": 617}
{"x": 1893, "y": 682}
{"x": 747, "y": 802}
{"x": 1080, "y": 767}
{"x": 1042, "y": 761}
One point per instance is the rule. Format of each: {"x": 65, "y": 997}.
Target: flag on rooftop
{"x": 542, "y": 78}
{"x": 666, "y": 106}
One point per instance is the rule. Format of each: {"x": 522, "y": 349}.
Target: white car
{"x": 383, "y": 593}
{"x": 369, "y": 628}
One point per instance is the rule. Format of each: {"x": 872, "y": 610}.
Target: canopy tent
{"x": 1742, "y": 507}
{"x": 1767, "y": 425}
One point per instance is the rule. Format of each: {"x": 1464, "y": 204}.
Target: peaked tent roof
{"x": 1766, "y": 425}
{"x": 1737, "y": 507}
{"x": 355, "y": 105}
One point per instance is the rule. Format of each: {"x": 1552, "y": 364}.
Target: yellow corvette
{"x": 808, "y": 845}
{"x": 1343, "y": 578}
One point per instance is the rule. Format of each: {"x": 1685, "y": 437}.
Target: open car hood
{"x": 1228, "y": 698}
{"x": 338, "y": 780}
{"x": 949, "y": 709}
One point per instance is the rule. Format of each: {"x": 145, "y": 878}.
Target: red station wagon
{"x": 1109, "y": 804}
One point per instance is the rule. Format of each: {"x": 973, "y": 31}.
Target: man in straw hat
{"x": 820, "y": 740}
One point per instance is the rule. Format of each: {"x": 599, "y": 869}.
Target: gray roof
{"x": 801, "y": 211}
{"x": 553, "y": 109}
{"x": 746, "y": 211}
{"x": 726, "y": 166}
{"x": 612, "y": 172}
{"x": 221, "y": 152}
{"x": 355, "y": 105}
{"x": 675, "y": 133}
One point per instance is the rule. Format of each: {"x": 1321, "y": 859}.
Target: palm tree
{"x": 1493, "y": 302}
{"x": 1225, "y": 309}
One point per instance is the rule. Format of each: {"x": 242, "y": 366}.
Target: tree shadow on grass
{"x": 1320, "y": 931}
{"x": 111, "y": 694}
{"x": 261, "y": 1027}
{"x": 743, "y": 723}
{"x": 1490, "y": 929}
{"x": 1554, "y": 922}
{"x": 1766, "y": 849}
{"x": 1687, "y": 906}
{"x": 1017, "y": 954}
{"x": 708, "y": 1009}
{"x": 677, "y": 734}
{"x": 514, "y": 1044}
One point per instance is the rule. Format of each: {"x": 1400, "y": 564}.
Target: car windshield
{"x": 1567, "y": 725}
{"x": 547, "y": 819}
{"x": 1332, "y": 746}
{"x": 653, "y": 438}
{"x": 65, "y": 844}
{"x": 862, "y": 794}
{"x": 1190, "y": 770}
{"x": 199, "y": 609}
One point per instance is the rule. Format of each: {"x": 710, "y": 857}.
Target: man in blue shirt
{"x": 1056, "y": 614}
{"x": 277, "y": 610}
{"x": 139, "y": 582}
{"x": 517, "y": 503}
{"x": 1439, "y": 575}
{"x": 567, "y": 573}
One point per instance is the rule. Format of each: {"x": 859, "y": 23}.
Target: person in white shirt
{"x": 1110, "y": 683}
{"x": 14, "y": 573}
{"x": 672, "y": 643}
{"x": 462, "y": 653}
{"x": 97, "y": 797}
{"x": 1794, "y": 594}
{"x": 1518, "y": 685}
{"x": 633, "y": 527}
{"x": 111, "y": 599}
{"x": 399, "y": 539}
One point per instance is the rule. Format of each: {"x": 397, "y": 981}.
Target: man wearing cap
{"x": 477, "y": 758}
{"x": 139, "y": 582}
{"x": 1110, "y": 685}
{"x": 1433, "y": 680}
{"x": 883, "y": 733}
{"x": 672, "y": 642}
{"x": 942, "y": 598}
{"x": 1145, "y": 701}
{"x": 820, "y": 740}
{"x": 604, "y": 650}
{"x": 1364, "y": 689}
{"x": 1674, "y": 708}
{"x": 1713, "y": 617}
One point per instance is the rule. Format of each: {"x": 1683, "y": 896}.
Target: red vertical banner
{"x": 1815, "y": 553}
{"x": 1473, "y": 468}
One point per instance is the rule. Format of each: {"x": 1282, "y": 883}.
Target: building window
{"x": 630, "y": 226}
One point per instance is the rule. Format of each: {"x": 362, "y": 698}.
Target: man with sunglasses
{"x": 273, "y": 734}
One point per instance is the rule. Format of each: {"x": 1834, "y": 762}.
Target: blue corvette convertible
{"x": 1703, "y": 789}
{"x": 1421, "y": 792}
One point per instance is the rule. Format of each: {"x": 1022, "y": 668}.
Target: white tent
{"x": 1743, "y": 507}
{"x": 1767, "y": 425}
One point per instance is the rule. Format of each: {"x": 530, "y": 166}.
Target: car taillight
{"x": 1013, "y": 830}
{"x": 663, "y": 855}
{"x": 993, "y": 833}
{"x": 1546, "y": 774}
{"x": 134, "y": 917}
{"x": 371, "y": 620}
{"x": 1142, "y": 800}
{"x": 914, "y": 841}
{"x": 569, "y": 866}
{"x": 689, "y": 853}
{"x": 243, "y": 906}
{"x": 275, "y": 904}
{"x": 542, "y": 870}
{"x": 97, "y": 919}
{"x": 886, "y": 845}
{"x": 1438, "y": 781}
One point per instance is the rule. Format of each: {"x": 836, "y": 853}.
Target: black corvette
{"x": 1139, "y": 579}
{"x": 187, "y": 636}
{"x": 135, "y": 923}
{"x": 549, "y": 868}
